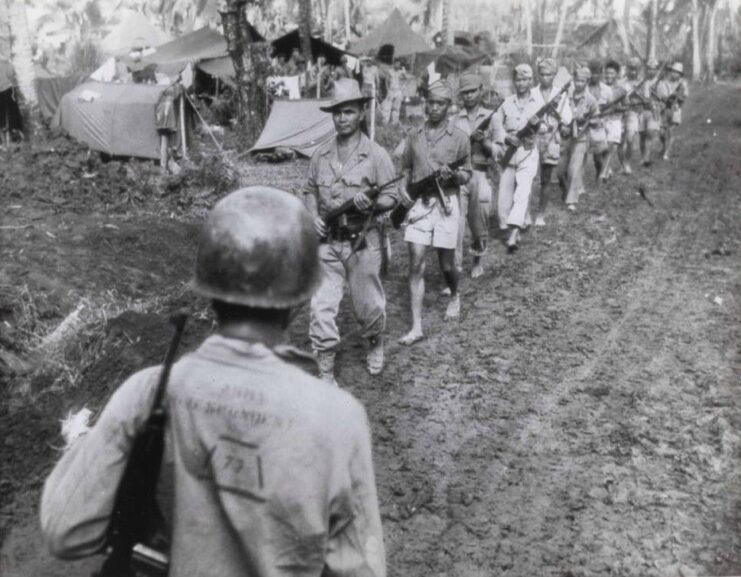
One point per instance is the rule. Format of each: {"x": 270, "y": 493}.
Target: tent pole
{"x": 208, "y": 129}
{"x": 373, "y": 111}
{"x": 183, "y": 131}
{"x": 163, "y": 152}
{"x": 217, "y": 87}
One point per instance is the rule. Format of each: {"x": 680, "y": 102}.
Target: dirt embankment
{"x": 582, "y": 418}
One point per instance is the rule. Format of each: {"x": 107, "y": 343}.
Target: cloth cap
{"x": 652, "y": 63}
{"x": 523, "y": 71}
{"x": 345, "y": 90}
{"x": 583, "y": 73}
{"x": 440, "y": 89}
{"x": 634, "y": 62}
{"x": 548, "y": 66}
{"x": 470, "y": 81}
{"x": 677, "y": 67}
{"x": 595, "y": 66}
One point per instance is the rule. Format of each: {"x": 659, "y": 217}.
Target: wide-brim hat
{"x": 677, "y": 67}
{"x": 345, "y": 90}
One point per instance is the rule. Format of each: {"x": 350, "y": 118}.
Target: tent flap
{"x": 298, "y": 125}
{"x": 394, "y": 30}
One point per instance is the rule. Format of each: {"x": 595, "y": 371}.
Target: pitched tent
{"x": 298, "y": 125}
{"x": 447, "y": 59}
{"x": 284, "y": 46}
{"x": 198, "y": 46}
{"x": 132, "y": 32}
{"x": 394, "y": 30}
{"x": 118, "y": 120}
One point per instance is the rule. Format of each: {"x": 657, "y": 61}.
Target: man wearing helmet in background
{"x": 476, "y": 194}
{"x": 346, "y": 168}
{"x": 265, "y": 484}
{"x": 549, "y": 133}
{"x": 672, "y": 92}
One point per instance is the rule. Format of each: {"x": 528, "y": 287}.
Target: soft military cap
{"x": 547, "y": 66}
{"x": 470, "y": 81}
{"x": 440, "y": 89}
{"x": 652, "y": 63}
{"x": 634, "y": 62}
{"x": 583, "y": 73}
{"x": 523, "y": 71}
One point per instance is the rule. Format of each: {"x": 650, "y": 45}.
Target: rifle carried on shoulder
{"x": 427, "y": 187}
{"x": 130, "y": 551}
{"x": 529, "y": 129}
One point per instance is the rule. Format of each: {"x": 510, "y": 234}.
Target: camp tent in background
{"x": 134, "y": 31}
{"x": 285, "y": 45}
{"x": 117, "y": 119}
{"x": 298, "y": 125}
{"x": 394, "y": 30}
{"x": 447, "y": 59}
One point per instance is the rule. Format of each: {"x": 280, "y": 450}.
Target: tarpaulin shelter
{"x": 50, "y": 89}
{"x": 285, "y": 45}
{"x": 395, "y": 31}
{"x": 134, "y": 31}
{"x": 298, "y": 125}
{"x": 117, "y": 119}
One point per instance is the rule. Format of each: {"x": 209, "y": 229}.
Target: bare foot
{"x": 445, "y": 292}
{"x": 477, "y": 270}
{"x": 413, "y": 336}
{"x": 454, "y": 308}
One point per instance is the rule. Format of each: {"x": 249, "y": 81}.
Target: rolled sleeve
{"x": 79, "y": 495}
{"x": 310, "y": 186}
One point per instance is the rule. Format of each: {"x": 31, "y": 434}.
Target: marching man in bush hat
{"x": 347, "y": 168}
{"x": 271, "y": 467}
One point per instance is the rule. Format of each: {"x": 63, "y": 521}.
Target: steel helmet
{"x": 258, "y": 248}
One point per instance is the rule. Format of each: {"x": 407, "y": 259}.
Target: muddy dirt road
{"x": 582, "y": 419}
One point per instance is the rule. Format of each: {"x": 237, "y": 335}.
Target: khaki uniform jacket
{"x": 480, "y": 160}
{"x": 332, "y": 183}
{"x": 272, "y": 470}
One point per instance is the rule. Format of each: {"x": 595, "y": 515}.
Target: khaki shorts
{"x": 614, "y": 128}
{"x": 428, "y": 225}
{"x": 649, "y": 122}
{"x": 597, "y": 139}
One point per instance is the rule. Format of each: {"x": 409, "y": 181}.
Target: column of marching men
{"x": 538, "y": 141}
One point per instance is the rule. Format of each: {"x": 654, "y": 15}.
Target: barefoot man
{"x": 434, "y": 219}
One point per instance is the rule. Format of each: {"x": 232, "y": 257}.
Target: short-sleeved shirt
{"x": 513, "y": 115}
{"x": 551, "y": 120}
{"x": 583, "y": 105}
{"x": 602, "y": 93}
{"x": 666, "y": 89}
{"x": 265, "y": 483}
{"x": 635, "y": 100}
{"x": 332, "y": 182}
{"x": 468, "y": 124}
{"x": 422, "y": 156}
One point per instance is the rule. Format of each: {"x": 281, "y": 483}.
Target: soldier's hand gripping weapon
{"x": 348, "y": 207}
{"x": 530, "y": 128}
{"x": 427, "y": 187}
{"x": 130, "y": 550}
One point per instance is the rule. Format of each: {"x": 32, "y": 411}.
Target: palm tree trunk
{"x": 696, "y": 60}
{"x": 559, "y": 30}
{"x": 626, "y": 17}
{"x": 22, "y": 61}
{"x": 346, "y": 7}
{"x": 304, "y": 28}
{"x": 710, "y": 42}
{"x": 528, "y": 18}
{"x": 447, "y": 29}
{"x": 651, "y": 38}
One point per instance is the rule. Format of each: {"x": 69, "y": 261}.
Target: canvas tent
{"x": 447, "y": 59}
{"x": 394, "y": 30}
{"x": 118, "y": 119}
{"x": 298, "y": 125}
{"x": 133, "y": 31}
{"x": 285, "y": 45}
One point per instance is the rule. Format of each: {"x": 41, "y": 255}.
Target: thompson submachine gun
{"x": 529, "y": 129}
{"x": 130, "y": 549}
{"x": 428, "y": 187}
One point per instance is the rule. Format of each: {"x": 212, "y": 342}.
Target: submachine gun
{"x": 530, "y": 129}
{"x": 131, "y": 546}
{"x": 428, "y": 187}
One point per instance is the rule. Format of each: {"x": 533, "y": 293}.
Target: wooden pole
{"x": 183, "y": 129}
{"x": 164, "y": 151}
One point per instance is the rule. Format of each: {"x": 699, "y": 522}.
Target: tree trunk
{"x": 651, "y": 37}
{"x": 447, "y": 29}
{"x": 559, "y": 30}
{"x": 304, "y": 28}
{"x": 528, "y": 20}
{"x": 252, "y": 67}
{"x": 696, "y": 60}
{"x": 710, "y": 42}
{"x": 626, "y": 17}
{"x": 22, "y": 61}
{"x": 346, "y": 6}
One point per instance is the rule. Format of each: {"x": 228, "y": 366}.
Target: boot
{"x": 325, "y": 361}
{"x": 374, "y": 358}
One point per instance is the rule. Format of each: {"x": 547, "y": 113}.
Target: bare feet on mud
{"x": 477, "y": 270}
{"x": 413, "y": 336}
{"x": 454, "y": 308}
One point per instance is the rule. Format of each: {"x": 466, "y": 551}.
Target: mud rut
{"x": 583, "y": 417}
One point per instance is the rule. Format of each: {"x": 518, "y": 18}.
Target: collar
{"x": 363, "y": 147}
{"x": 448, "y": 127}
{"x": 231, "y": 351}
{"x": 479, "y": 111}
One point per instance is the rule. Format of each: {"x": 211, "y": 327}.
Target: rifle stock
{"x": 349, "y": 205}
